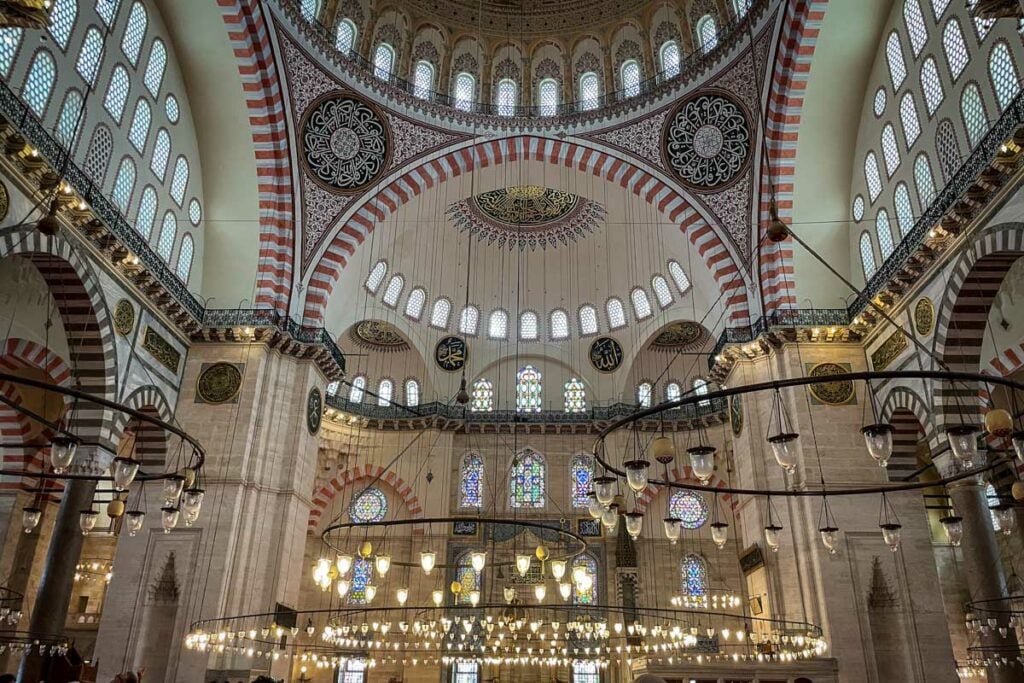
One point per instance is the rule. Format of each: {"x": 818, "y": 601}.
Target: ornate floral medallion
{"x": 379, "y": 335}
{"x": 832, "y": 393}
{"x": 345, "y": 142}
{"x": 678, "y": 335}
{"x": 707, "y": 141}
{"x": 924, "y": 316}
{"x": 219, "y": 383}
{"x": 124, "y": 317}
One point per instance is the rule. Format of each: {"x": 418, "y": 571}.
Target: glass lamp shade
{"x": 438, "y": 597}
{"x": 565, "y": 590}
{"x": 878, "y": 439}
{"x": 169, "y": 518}
{"x": 891, "y": 535}
{"x": 954, "y": 527}
{"x": 62, "y": 453}
{"x": 540, "y": 591}
{"x": 1017, "y": 439}
{"x": 664, "y": 449}
{"x": 30, "y": 517}
{"x": 771, "y": 537}
{"x": 172, "y": 489}
{"x": 382, "y": 563}
{"x": 342, "y": 586}
{"x": 702, "y": 462}
{"x": 192, "y": 500}
{"x": 634, "y": 524}
{"x": 1006, "y": 518}
{"x": 523, "y": 564}
{"x": 610, "y": 517}
{"x": 594, "y": 508}
{"x": 124, "y": 471}
{"x": 784, "y": 450}
{"x": 191, "y": 516}
{"x": 474, "y": 599}
{"x": 343, "y": 563}
{"x": 636, "y": 474}
{"x": 477, "y": 560}
{"x": 509, "y": 593}
{"x": 402, "y": 595}
{"x": 719, "y": 533}
{"x": 830, "y": 538}
{"x": 134, "y": 519}
{"x": 672, "y": 528}
{"x": 369, "y": 592}
{"x": 604, "y": 489}
{"x": 557, "y": 569}
{"x": 427, "y": 560}
{"x": 87, "y": 521}
{"x": 963, "y": 441}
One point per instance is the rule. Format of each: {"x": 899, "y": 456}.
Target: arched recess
{"x": 908, "y": 413}
{"x": 147, "y": 443}
{"x": 350, "y": 234}
{"x": 681, "y": 474}
{"x": 363, "y": 473}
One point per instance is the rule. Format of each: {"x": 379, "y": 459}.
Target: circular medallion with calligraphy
{"x": 924, "y": 316}
{"x": 606, "y": 354}
{"x": 451, "y": 353}
{"x": 707, "y": 140}
{"x": 832, "y": 393}
{"x": 345, "y": 142}
{"x": 314, "y": 411}
{"x": 124, "y": 317}
{"x": 219, "y": 383}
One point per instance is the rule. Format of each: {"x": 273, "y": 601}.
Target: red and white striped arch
{"x": 714, "y": 251}
{"x": 680, "y": 474}
{"x": 322, "y": 499}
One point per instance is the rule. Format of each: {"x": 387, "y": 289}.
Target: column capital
{"x": 92, "y": 460}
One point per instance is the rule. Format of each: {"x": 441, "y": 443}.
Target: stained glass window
{"x": 867, "y": 255}
{"x": 670, "y": 59}
{"x": 466, "y": 672}
{"x": 673, "y": 391}
{"x": 909, "y": 119}
{"x": 146, "y": 217}
{"x": 872, "y": 176}
{"x": 362, "y": 574}
{"x": 590, "y": 91}
{"x": 528, "y": 390}
{"x": 548, "y": 96}
{"x": 694, "y": 575}
{"x": 471, "y": 481}
{"x": 661, "y": 291}
{"x": 939, "y": 7}
{"x": 955, "y": 48}
{"x": 369, "y": 506}
{"x": 155, "y": 68}
{"x": 355, "y": 395}
{"x": 616, "y": 313}
{"x": 124, "y": 183}
{"x": 90, "y": 54}
{"x": 497, "y": 326}
{"x": 588, "y": 320}
{"x": 332, "y": 388}
{"x": 880, "y": 100}
{"x": 707, "y": 33}
{"x": 586, "y": 671}
{"x": 949, "y": 149}
{"x": 1003, "y": 73}
{"x": 644, "y": 390}
{"x": 469, "y": 319}
{"x": 62, "y": 21}
{"x": 131, "y": 42}
{"x": 981, "y": 25}
{"x": 700, "y": 388}
{"x": 641, "y": 303}
{"x": 423, "y": 79}
{"x": 679, "y": 277}
{"x": 741, "y": 6}
{"x": 179, "y": 181}
{"x": 932, "y": 85}
{"x": 171, "y": 107}
{"x": 890, "y": 150}
{"x": 915, "y": 25}
{"x": 904, "y": 210}
{"x": 184, "y": 267}
{"x": 117, "y": 93}
{"x": 67, "y": 120}
{"x": 412, "y": 392}
{"x": 376, "y": 277}
{"x": 468, "y": 577}
{"x": 354, "y": 671}
{"x": 858, "y": 208}
{"x": 483, "y": 396}
{"x": 924, "y": 181}
{"x": 394, "y": 290}
{"x": 894, "y": 56}
{"x": 10, "y": 39}
{"x": 309, "y": 9}
{"x": 107, "y": 9}
{"x": 528, "y": 326}
{"x": 575, "y": 396}
{"x": 884, "y": 233}
{"x": 559, "y": 326}
{"x": 581, "y": 471}
{"x": 465, "y": 89}
{"x": 506, "y": 99}
{"x": 630, "y": 78}
{"x": 415, "y": 303}
{"x": 161, "y": 154}
{"x": 39, "y": 82}
{"x": 528, "y": 480}
{"x": 383, "y": 61}
{"x": 589, "y": 596}
{"x": 345, "y": 36}
{"x": 689, "y": 507}
{"x": 168, "y": 230}
{"x": 992, "y": 499}
{"x": 384, "y": 391}
{"x": 139, "y": 131}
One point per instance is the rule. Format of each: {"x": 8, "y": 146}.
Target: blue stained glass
{"x": 362, "y": 572}
{"x": 688, "y": 507}
{"x": 582, "y": 473}
{"x": 527, "y": 480}
{"x": 694, "y": 573}
{"x": 370, "y": 506}
{"x": 589, "y": 596}
{"x": 528, "y": 390}
{"x": 471, "y": 484}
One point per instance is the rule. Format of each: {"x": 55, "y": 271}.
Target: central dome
{"x": 526, "y": 16}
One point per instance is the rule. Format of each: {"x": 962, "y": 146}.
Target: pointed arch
{"x": 323, "y": 496}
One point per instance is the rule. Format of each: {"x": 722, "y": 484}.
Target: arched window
{"x": 134, "y": 33}
{"x": 630, "y": 74}
{"x": 469, "y": 319}
{"x": 527, "y": 481}
{"x": 423, "y": 79}
{"x": 10, "y": 40}
{"x": 547, "y": 96}
{"x": 993, "y": 501}
{"x": 894, "y": 57}
{"x": 938, "y": 7}
{"x": 89, "y": 55}
{"x": 641, "y": 304}
{"x": 581, "y": 474}
{"x": 332, "y": 388}
{"x": 872, "y": 176}
{"x": 694, "y": 576}
{"x": 483, "y": 396}
{"x": 644, "y": 393}
{"x": 376, "y": 277}
{"x": 884, "y": 233}
{"x": 155, "y": 68}
{"x": 586, "y": 596}
{"x": 858, "y": 208}
{"x": 924, "y": 181}
{"x": 867, "y": 256}
{"x": 679, "y": 277}
{"x": 700, "y": 388}
{"x": 39, "y": 82}
{"x": 107, "y": 9}
{"x": 948, "y": 147}
{"x": 689, "y": 508}
{"x": 707, "y": 33}
{"x": 471, "y": 481}
{"x": 146, "y": 217}
{"x": 468, "y": 578}
{"x": 955, "y": 48}
{"x": 909, "y": 119}
{"x": 1003, "y": 72}
{"x": 67, "y": 120}
{"x": 394, "y": 290}
{"x": 661, "y": 291}
{"x": 916, "y": 28}
{"x": 528, "y": 326}
{"x": 932, "y": 85}
{"x": 168, "y": 231}
{"x": 310, "y": 9}
{"x": 415, "y": 303}
{"x": 195, "y": 212}
{"x": 440, "y": 314}
{"x": 369, "y": 506}
{"x": 506, "y": 97}
{"x": 124, "y": 183}
{"x": 385, "y": 390}
{"x": 139, "y": 131}
{"x": 590, "y": 91}
{"x": 179, "y": 181}
{"x": 890, "y": 150}
{"x": 981, "y": 25}
{"x": 345, "y": 36}
{"x": 559, "y": 325}
{"x": 185, "y": 253}
{"x": 171, "y": 108}
{"x": 741, "y": 7}
{"x": 669, "y": 55}
{"x": 412, "y": 392}
{"x": 880, "y": 102}
{"x": 62, "y": 21}
{"x": 497, "y": 326}
{"x": 464, "y": 91}
{"x": 117, "y": 93}
{"x": 383, "y": 61}
{"x": 575, "y": 396}
{"x": 97, "y": 157}
{"x": 616, "y": 313}
{"x": 588, "y": 320}
{"x": 355, "y": 394}
{"x": 528, "y": 390}
{"x": 904, "y": 210}
{"x": 161, "y": 154}
{"x": 673, "y": 391}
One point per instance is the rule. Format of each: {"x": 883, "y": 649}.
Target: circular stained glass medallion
{"x": 370, "y": 506}
{"x": 690, "y": 508}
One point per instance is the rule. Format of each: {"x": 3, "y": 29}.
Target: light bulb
{"x": 719, "y": 533}
{"x": 343, "y": 563}
{"x": 565, "y": 590}
{"x": 438, "y": 597}
{"x": 523, "y": 564}
{"x": 604, "y": 489}
{"x": 634, "y": 524}
{"x": 62, "y": 453}
{"x": 474, "y": 598}
{"x": 771, "y": 537}
{"x": 963, "y": 441}
{"x": 509, "y": 593}
{"x": 636, "y": 474}
{"x": 672, "y": 525}
{"x": 403, "y": 595}
{"x": 540, "y": 591}
{"x": 891, "y": 535}
{"x": 784, "y": 450}
{"x": 878, "y": 439}
{"x": 382, "y": 564}
{"x": 477, "y": 560}
{"x": 87, "y": 520}
{"x": 702, "y": 462}
{"x": 343, "y": 585}
{"x": 557, "y": 569}
{"x": 124, "y": 471}
{"x": 169, "y": 518}
{"x": 427, "y": 560}
{"x": 30, "y": 517}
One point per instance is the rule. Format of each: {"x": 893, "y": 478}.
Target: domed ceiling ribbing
{"x": 526, "y": 16}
